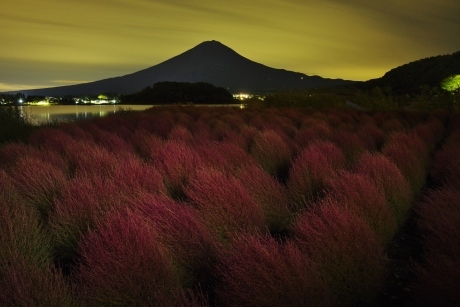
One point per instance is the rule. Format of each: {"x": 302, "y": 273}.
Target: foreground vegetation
{"x": 13, "y": 125}
{"x": 223, "y": 207}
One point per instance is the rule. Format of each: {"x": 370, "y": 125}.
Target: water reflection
{"x": 42, "y": 114}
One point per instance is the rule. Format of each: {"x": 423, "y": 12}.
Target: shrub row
{"x": 438, "y": 273}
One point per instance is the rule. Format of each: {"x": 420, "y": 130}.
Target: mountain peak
{"x": 211, "y": 62}
{"x": 212, "y": 46}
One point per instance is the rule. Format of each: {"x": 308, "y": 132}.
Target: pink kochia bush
{"x": 347, "y": 253}
{"x": 389, "y": 180}
{"x": 27, "y": 284}
{"x": 39, "y": 182}
{"x": 269, "y": 194}
{"x": 310, "y": 172}
{"x": 350, "y": 143}
{"x": 271, "y": 152}
{"x": 86, "y": 155}
{"x": 223, "y": 203}
{"x": 125, "y": 263}
{"x": 445, "y": 169}
{"x": 88, "y": 197}
{"x": 439, "y": 273}
{"x": 55, "y": 139}
{"x": 224, "y": 156}
{"x": 180, "y": 229}
{"x": 22, "y": 234}
{"x": 359, "y": 194}
{"x": 411, "y": 155}
{"x": 257, "y": 270}
{"x": 177, "y": 163}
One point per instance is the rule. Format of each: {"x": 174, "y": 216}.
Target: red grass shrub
{"x": 350, "y": 143}
{"x": 248, "y": 134}
{"x": 219, "y": 129}
{"x": 445, "y": 168}
{"x": 224, "y": 156}
{"x": 184, "y": 119}
{"x": 160, "y": 124}
{"x": 26, "y": 284}
{"x": 269, "y": 194}
{"x": 389, "y": 180}
{"x": 358, "y": 194}
{"x": 438, "y": 281}
{"x": 276, "y": 121}
{"x": 319, "y": 125}
{"x": 311, "y": 170}
{"x": 55, "y": 139}
{"x": 135, "y": 177}
{"x": 259, "y": 271}
{"x": 431, "y": 133}
{"x": 109, "y": 140}
{"x": 38, "y": 182}
{"x": 88, "y": 196}
{"x": 410, "y": 155}
{"x": 181, "y": 134}
{"x": 21, "y": 231}
{"x": 124, "y": 263}
{"x": 371, "y": 135}
{"x": 201, "y": 131}
{"x": 11, "y": 153}
{"x": 84, "y": 200}
{"x": 346, "y": 251}
{"x": 439, "y": 220}
{"x": 23, "y": 234}
{"x": 8, "y": 192}
{"x": 224, "y": 204}
{"x": 83, "y": 155}
{"x": 392, "y": 124}
{"x": 235, "y": 137}
{"x": 146, "y": 144}
{"x": 189, "y": 242}
{"x": 439, "y": 273}
{"x": 121, "y": 124}
{"x": 271, "y": 152}
{"x": 75, "y": 130}
{"x": 305, "y": 137}
{"x": 177, "y": 163}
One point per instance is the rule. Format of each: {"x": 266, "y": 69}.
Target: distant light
{"x": 242, "y": 96}
{"x": 20, "y": 100}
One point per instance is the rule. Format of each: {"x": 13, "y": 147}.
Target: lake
{"x": 41, "y": 114}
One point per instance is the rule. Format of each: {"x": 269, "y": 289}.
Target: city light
{"x": 242, "y": 96}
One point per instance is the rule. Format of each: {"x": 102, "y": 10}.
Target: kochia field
{"x": 198, "y": 206}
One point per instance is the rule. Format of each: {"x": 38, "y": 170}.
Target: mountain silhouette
{"x": 412, "y": 77}
{"x": 210, "y": 62}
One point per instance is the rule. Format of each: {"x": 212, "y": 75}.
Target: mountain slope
{"x": 210, "y": 62}
{"x": 409, "y": 78}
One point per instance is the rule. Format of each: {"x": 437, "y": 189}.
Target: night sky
{"x": 59, "y": 42}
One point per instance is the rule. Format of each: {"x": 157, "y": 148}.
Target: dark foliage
{"x": 409, "y": 78}
{"x": 14, "y": 126}
{"x": 180, "y": 92}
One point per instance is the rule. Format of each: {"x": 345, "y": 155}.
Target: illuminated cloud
{"x": 88, "y": 40}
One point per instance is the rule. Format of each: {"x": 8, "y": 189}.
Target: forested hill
{"x": 180, "y": 92}
{"x": 414, "y": 77}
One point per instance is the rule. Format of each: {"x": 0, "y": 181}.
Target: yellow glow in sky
{"x": 46, "y": 42}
